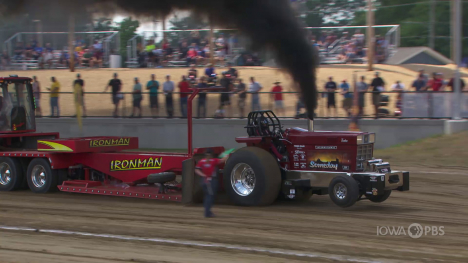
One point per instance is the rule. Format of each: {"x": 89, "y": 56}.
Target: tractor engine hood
{"x": 302, "y": 136}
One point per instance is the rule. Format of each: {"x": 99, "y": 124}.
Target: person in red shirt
{"x": 436, "y": 83}
{"x": 277, "y": 94}
{"x": 165, "y": 45}
{"x": 192, "y": 56}
{"x": 207, "y": 170}
{"x": 184, "y": 89}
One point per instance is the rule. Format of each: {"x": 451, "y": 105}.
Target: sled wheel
{"x": 41, "y": 178}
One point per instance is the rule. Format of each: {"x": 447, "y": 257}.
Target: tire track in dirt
{"x": 316, "y": 226}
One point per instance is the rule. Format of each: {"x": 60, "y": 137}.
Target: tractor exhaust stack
{"x": 310, "y": 124}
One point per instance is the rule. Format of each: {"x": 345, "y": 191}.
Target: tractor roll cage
{"x": 259, "y": 123}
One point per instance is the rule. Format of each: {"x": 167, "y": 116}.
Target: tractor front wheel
{"x": 252, "y": 177}
{"x": 11, "y": 174}
{"x": 41, "y": 178}
{"x": 343, "y": 191}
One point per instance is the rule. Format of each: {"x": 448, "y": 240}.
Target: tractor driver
{"x": 207, "y": 170}
{"x": 264, "y": 126}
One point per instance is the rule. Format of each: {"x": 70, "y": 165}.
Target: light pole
{"x": 456, "y": 12}
{"x": 370, "y": 36}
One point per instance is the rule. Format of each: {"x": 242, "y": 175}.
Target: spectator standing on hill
{"x": 153, "y": 87}
{"x": 137, "y": 97}
{"x": 330, "y": 88}
{"x": 254, "y": 89}
{"x": 116, "y": 86}
{"x": 348, "y": 97}
{"x": 184, "y": 89}
{"x": 242, "y": 91}
{"x": 423, "y": 76}
{"x": 436, "y": 83}
{"x": 362, "y": 88}
{"x": 451, "y": 84}
{"x": 398, "y": 86}
{"x": 168, "y": 89}
{"x": 419, "y": 84}
{"x": 36, "y": 87}
{"x": 201, "y": 109}
{"x": 78, "y": 90}
{"x": 54, "y": 96}
{"x": 277, "y": 94}
{"x": 378, "y": 85}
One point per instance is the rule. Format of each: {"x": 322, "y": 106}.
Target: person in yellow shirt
{"x": 54, "y": 95}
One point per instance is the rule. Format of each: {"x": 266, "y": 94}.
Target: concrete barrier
{"x": 172, "y": 133}
{"x": 454, "y": 126}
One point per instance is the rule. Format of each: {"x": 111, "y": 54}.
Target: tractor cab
{"x": 16, "y": 105}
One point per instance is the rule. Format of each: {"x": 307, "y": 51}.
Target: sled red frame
{"x": 125, "y": 170}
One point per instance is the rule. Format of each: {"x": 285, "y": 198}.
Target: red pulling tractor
{"x": 292, "y": 163}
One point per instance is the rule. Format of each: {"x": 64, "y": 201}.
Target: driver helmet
{"x": 263, "y": 124}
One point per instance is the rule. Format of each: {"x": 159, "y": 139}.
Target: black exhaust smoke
{"x": 268, "y": 23}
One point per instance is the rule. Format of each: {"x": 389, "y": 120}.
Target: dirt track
{"x": 317, "y": 228}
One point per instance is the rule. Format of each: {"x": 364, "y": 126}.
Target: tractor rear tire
{"x": 252, "y": 177}
{"x": 343, "y": 191}
{"x": 379, "y": 198}
{"x": 41, "y": 178}
{"x": 11, "y": 174}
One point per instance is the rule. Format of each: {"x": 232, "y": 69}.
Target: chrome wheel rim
{"x": 243, "y": 179}
{"x": 38, "y": 176}
{"x": 340, "y": 191}
{"x": 5, "y": 174}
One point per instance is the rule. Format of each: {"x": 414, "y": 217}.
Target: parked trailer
{"x": 276, "y": 163}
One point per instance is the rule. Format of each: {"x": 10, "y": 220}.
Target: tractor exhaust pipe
{"x": 310, "y": 124}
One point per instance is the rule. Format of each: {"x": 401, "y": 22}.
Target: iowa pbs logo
{"x": 414, "y": 230}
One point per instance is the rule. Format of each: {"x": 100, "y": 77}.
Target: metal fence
{"x": 393, "y": 105}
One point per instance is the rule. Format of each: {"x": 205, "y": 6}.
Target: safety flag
{"x": 222, "y": 155}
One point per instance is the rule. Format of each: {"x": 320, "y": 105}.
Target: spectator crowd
{"x": 349, "y": 48}
{"x": 193, "y": 50}
{"x": 233, "y": 92}
{"x": 32, "y": 54}
{"x": 228, "y": 86}
{"x": 422, "y": 83}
